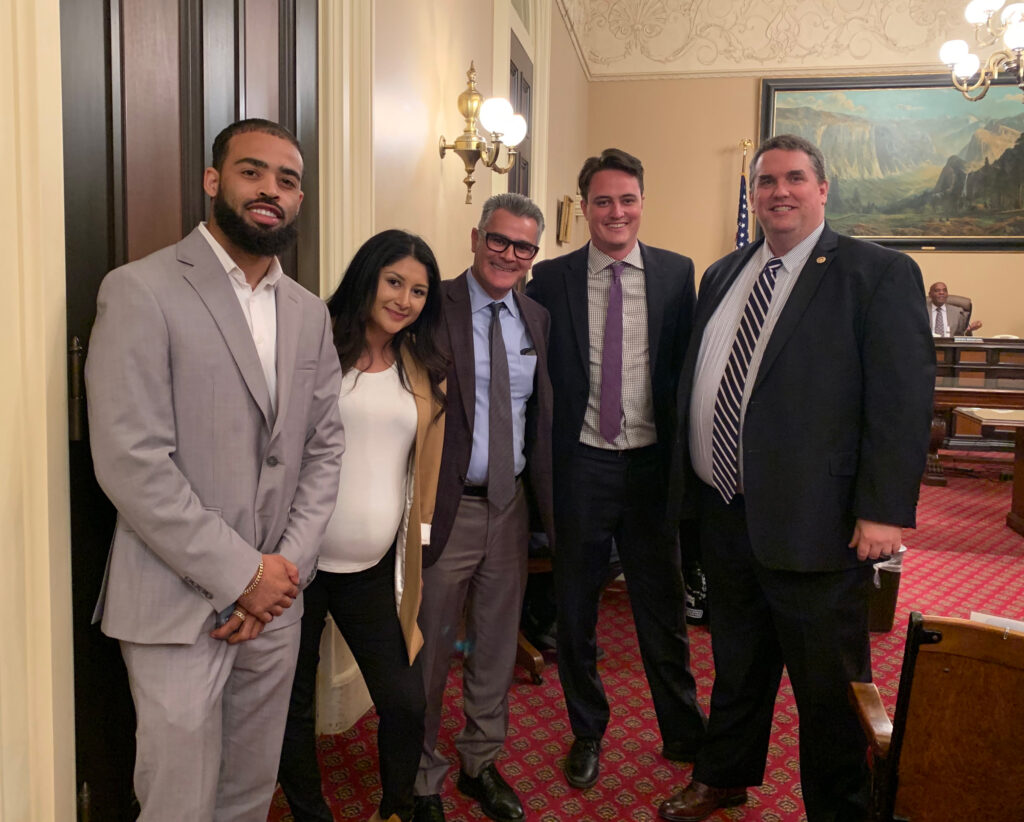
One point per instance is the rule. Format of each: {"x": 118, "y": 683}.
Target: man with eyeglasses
{"x": 495, "y": 471}
{"x": 621, "y": 313}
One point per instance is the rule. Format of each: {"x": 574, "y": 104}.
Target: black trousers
{"x": 621, "y": 495}
{"x": 363, "y": 607}
{"x": 814, "y": 623}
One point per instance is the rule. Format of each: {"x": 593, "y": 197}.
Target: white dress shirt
{"x": 259, "y": 305}
{"x": 936, "y": 310}
{"x": 718, "y": 339}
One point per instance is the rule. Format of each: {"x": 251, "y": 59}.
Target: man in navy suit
{"x": 621, "y": 314}
{"x": 805, "y": 406}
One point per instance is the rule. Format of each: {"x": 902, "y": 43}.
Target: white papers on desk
{"x": 998, "y": 622}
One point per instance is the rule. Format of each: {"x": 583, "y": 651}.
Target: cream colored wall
{"x": 687, "y": 134}
{"x": 567, "y": 140}
{"x": 421, "y": 54}
{"x": 37, "y": 750}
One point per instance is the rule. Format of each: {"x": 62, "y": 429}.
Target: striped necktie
{"x": 725, "y": 435}
{"x": 940, "y": 323}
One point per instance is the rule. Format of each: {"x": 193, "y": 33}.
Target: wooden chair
{"x": 955, "y": 747}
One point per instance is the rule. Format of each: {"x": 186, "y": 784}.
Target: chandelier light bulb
{"x": 1013, "y": 13}
{"x": 516, "y": 131}
{"x": 495, "y": 114}
{"x": 953, "y": 51}
{"x": 1014, "y": 36}
{"x": 991, "y": 6}
{"x": 967, "y": 67}
{"x": 976, "y": 13}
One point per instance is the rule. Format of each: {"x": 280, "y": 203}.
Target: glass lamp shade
{"x": 991, "y": 6}
{"x": 967, "y": 67}
{"x": 1012, "y": 13}
{"x": 516, "y": 131}
{"x": 976, "y": 12}
{"x": 953, "y": 51}
{"x": 1014, "y": 36}
{"x": 495, "y": 114}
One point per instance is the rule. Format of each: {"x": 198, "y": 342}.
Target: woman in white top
{"x": 386, "y": 314}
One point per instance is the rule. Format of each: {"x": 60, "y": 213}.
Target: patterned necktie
{"x": 940, "y": 323}
{"x": 610, "y": 417}
{"x": 501, "y": 474}
{"x": 725, "y": 435}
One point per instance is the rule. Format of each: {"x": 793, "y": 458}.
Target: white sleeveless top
{"x": 379, "y": 417}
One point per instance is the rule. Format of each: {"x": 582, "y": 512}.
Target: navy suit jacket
{"x": 560, "y": 285}
{"x": 461, "y": 395}
{"x": 838, "y": 420}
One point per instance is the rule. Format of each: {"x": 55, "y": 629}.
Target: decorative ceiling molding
{"x": 647, "y": 39}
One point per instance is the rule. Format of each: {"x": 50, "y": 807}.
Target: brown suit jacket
{"x": 423, "y": 471}
{"x": 458, "y": 433}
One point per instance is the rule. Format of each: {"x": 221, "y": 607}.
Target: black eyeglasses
{"x": 499, "y": 242}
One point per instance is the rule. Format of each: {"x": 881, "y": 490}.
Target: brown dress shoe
{"x": 698, "y": 801}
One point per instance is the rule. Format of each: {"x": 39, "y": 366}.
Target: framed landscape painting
{"x": 911, "y": 163}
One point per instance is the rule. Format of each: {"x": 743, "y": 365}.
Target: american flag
{"x": 742, "y": 217}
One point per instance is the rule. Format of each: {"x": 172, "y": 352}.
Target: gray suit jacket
{"x": 204, "y": 476}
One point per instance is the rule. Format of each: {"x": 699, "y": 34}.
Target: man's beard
{"x": 263, "y": 242}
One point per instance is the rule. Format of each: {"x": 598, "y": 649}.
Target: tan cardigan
{"x": 424, "y": 464}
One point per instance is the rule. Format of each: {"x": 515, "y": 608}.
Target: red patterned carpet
{"x": 962, "y": 557}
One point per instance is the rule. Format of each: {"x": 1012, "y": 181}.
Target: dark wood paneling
{"x": 152, "y": 125}
{"x": 104, "y": 719}
{"x": 190, "y": 60}
{"x": 262, "y": 50}
{"x": 306, "y": 124}
{"x": 221, "y": 75}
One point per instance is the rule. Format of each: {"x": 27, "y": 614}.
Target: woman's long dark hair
{"x": 351, "y": 303}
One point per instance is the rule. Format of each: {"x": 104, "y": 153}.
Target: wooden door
{"x": 147, "y": 84}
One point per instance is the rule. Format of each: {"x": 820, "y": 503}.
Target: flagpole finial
{"x": 746, "y": 144}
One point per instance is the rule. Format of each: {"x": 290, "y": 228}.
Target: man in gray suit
{"x": 947, "y": 320}
{"x": 213, "y": 386}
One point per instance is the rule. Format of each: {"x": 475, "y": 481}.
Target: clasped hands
{"x": 277, "y": 589}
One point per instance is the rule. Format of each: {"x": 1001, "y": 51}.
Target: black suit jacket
{"x": 560, "y": 285}
{"x": 838, "y": 420}
{"x": 461, "y": 394}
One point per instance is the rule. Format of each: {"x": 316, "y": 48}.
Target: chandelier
{"x": 969, "y": 76}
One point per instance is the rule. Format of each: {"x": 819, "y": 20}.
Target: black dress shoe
{"x": 496, "y": 797}
{"x": 698, "y": 801}
{"x": 583, "y": 763}
{"x": 428, "y": 809}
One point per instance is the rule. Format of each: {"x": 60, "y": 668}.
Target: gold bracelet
{"x": 255, "y": 580}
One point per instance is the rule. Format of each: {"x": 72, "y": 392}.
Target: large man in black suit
{"x": 621, "y": 313}
{"x": 479, "y": 536}
{"x": 808, "y": 393}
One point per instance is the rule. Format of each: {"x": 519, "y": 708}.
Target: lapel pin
{"x": 820, "y": 260}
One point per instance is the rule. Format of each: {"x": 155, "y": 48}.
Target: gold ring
{"x": 238, "y": 612}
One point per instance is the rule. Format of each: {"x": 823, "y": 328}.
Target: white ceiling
{"x": 634, "y": 39}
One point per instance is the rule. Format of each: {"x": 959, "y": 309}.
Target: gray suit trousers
{"x": 211, "y": 720}
{"x": 484, "y": 565}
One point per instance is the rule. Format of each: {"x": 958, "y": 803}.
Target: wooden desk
{"x": 967, "y": 390}
{"x": 1000, "y": 418}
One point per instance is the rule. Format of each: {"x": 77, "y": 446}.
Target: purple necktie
{"x": 611, "y": 360}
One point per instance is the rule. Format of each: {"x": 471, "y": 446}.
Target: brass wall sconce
{"x": 495, "y": 115}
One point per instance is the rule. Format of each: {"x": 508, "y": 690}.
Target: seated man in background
{"x": 947, "y": 320}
